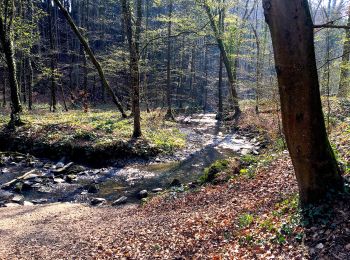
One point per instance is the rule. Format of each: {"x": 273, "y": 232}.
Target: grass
{"x": 98, "y": 127}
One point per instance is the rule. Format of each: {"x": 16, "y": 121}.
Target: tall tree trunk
{"x": 220, "y": 114}
{"x": 53, "y": 100}
{"x": 345, "y": 64}
{"x": 30, "y": 83}
{"x": 292, "y": 35}
{"x": 169, "y": 113}
{"x": 91, "y": 55}
{"x": 134, "y": 67}
{"x": 8, "y": 49}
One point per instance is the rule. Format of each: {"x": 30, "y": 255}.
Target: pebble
{"x": 58, "y": 180}
{"x": 98, "y": 201}
{"x": 28, "y": 203}
{"x": 12, "y": 205}
{"x": 121, "y": 200}
{"x": 320, "y": 246}
{"x": 17, "y": 199}
{"x": 157, "y": 190}
{"x": 143, "y": 194}
{"x": 347, "y": 247}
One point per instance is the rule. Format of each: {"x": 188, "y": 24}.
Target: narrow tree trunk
{"x": 30, "y": 84}
{"x": 4, "y": 93}
{"x": 345, "y": 65}
{"x": 169, "y": 113}
{"x": 292, "y": 35}
{"x": 221, "y": 103}
{"x": 53, "y": 100}
{"x": 91, "y": 55}
{"x": 134, "y": 68}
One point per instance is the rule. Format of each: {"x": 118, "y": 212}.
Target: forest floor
{"x": 253, "y": 215}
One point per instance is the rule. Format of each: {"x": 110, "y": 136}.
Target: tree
{"x": 225, "y": 58}
{"x": 7, "y": 13}
{"x": 313, "y": 159}
{"x": 133, "y": 62}
{"x": 169, "y": 113}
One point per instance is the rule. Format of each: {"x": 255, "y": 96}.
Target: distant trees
{"x": 91, "y": 55}
{"x": 292, "y": 35}
{"x": 345, "y": 64}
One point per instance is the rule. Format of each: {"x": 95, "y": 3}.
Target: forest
{"x": 163, "y": 129}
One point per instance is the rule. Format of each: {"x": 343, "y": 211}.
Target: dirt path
{"x": 190, "y": 226}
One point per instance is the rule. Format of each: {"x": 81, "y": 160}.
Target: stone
{"x": 28, "y": 203}
{"x": 175, "y": 183}
{"x": 157, "y": 190}
{"x": 192, "y": 185}
{"x": 17, "y": 199}
{"x": 93, "y": 188}
{"x": 31, "y": 176}
{"x": 59, "y": 165}
{"x": 98, "y": 201}
{"x": 39, "y": 201}
{"x": 347, "y": 247}
{"x": 120, "y": 201}
{"x": 5, "y": 195}
{"x": 143, "y": 194}
{"x": 320, "y": 246}
{"x": 36, "y": 186}
{"x": 27, "y": 185}
{"x": 70, "y": 178}
{"x": 245, "y": 151}
{"x": 58, "y": 180}
{"x": 62, "y": 170}
{"x": 12, "y": 205}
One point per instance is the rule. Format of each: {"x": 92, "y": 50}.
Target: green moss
{"x": 211, "y": 172}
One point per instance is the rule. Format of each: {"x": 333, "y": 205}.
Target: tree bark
{"x": 91, "y": 55}
{"x": 315, "y": 166}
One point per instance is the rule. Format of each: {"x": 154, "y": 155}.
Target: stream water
{"x": 48, "y": 181}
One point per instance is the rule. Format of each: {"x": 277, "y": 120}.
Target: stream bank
{"x": 27, "y": 180}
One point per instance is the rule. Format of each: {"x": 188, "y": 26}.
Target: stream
{"x": 26, "y": 180}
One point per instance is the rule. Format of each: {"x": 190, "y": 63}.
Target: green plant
{"x": 245, "y": 220}
{"x": 249, "y": 159}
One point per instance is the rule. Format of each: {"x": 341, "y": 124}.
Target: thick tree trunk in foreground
{"x": 314, "y": 162}
{"x": 7, "y": 46}
{"x": 91, "y": 55}
{"x": 345, "y": 64}
{"x": 134, "y": 68}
